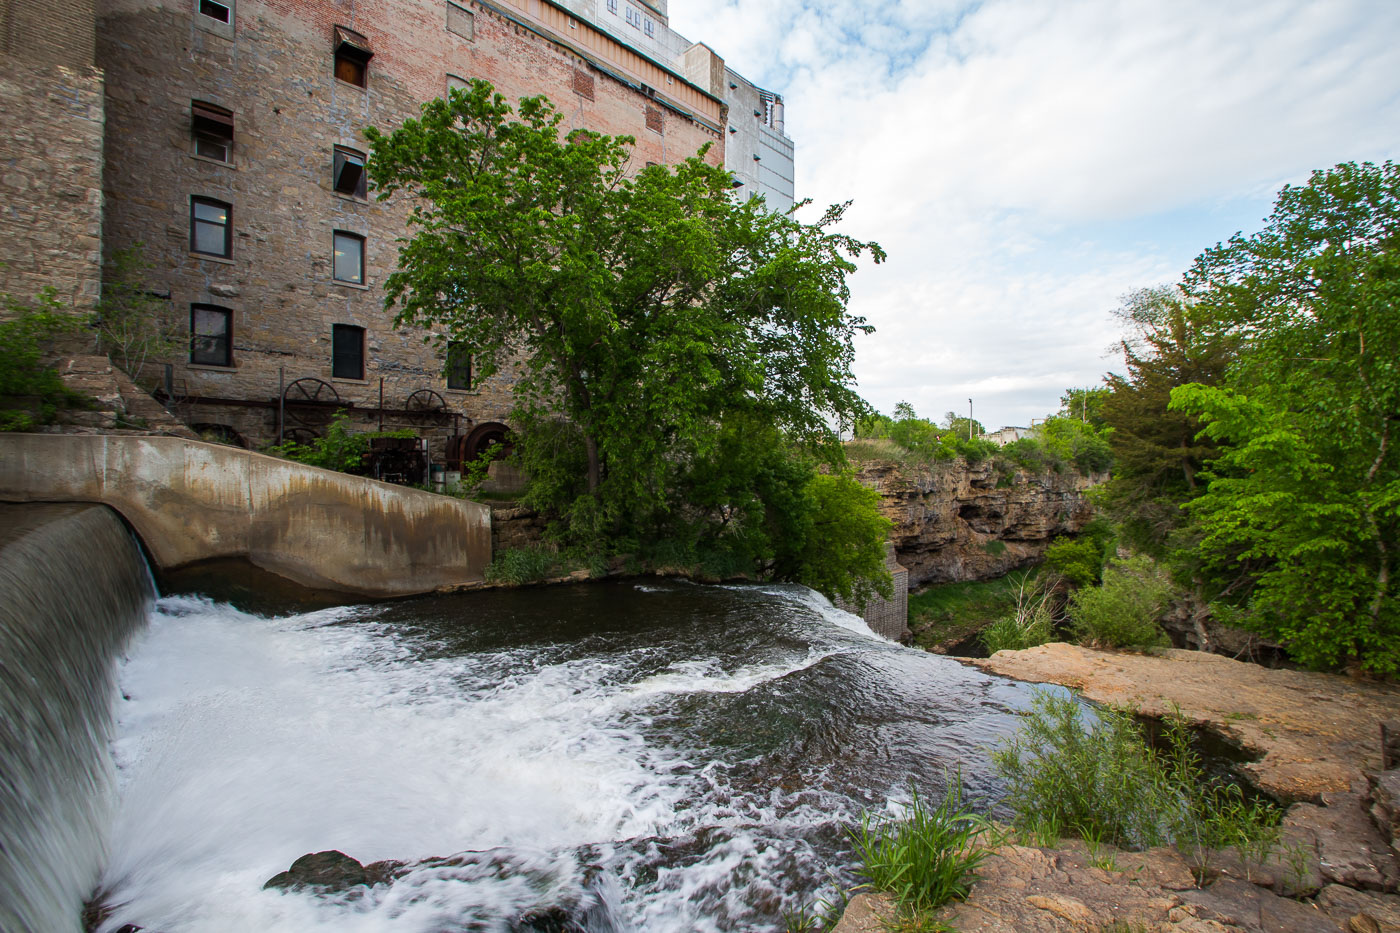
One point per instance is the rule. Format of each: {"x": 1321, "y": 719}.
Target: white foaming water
{"x": 243, "y": 743}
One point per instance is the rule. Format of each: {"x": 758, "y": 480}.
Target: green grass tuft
{"x": 926, "y": 857}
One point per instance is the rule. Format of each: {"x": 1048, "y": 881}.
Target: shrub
{"x": 31, "y": 392}
{"x": 1078, "y": 560}
{"x": 341, "y": 449}
{"x": 1106, "y": 783}
{"x": 1032, "y": 623}
{"x": 1123, "y": 611}
{"x": 519, "y": 566}
{"x": 926, "y": 857}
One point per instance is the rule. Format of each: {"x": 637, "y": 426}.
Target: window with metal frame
{"x": 348, "y": 172}
{"x": 211, "y": 335}
{"x": 349, "y": 259}
{"x": 347, "y": 351}
{"x": 214, "y": 9}
{"x": 212, "y": 129}
{"x": 211, "y": 227}
{"x": 459, "y": 366}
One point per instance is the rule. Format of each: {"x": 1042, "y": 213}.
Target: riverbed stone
{"x": 330, "y": 871}
{"x": 1385, "y": 805}
{"x": 1351, "y": 850}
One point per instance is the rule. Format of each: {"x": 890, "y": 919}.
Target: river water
{"x": 654, "y": 756}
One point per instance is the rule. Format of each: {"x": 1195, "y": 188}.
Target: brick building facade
{"x": 233, "y": 145}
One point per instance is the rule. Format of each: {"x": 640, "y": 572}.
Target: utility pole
{"x": 969, "y": 419}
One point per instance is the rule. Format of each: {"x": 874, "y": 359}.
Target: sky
{"x": 1026, "y": 163}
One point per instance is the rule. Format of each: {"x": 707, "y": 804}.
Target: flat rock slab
{"x": 1074, "y": 889}
{"x": 1315, "y": 733}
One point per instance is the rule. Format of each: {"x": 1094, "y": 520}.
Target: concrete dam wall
{"x": 190, "y": 501}
{"x": 75, "y": 589}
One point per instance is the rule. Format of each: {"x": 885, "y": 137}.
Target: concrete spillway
{"x": 75, "y": 587}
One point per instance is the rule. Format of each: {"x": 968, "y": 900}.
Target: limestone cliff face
{"x": 953, "y": 522}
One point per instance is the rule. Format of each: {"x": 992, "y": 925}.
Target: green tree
{"x": 133, "y": 325}
{"x": 1171, "y": 340}
{"x": 652, "y": 310}
{"x": 1302, "y": 515}
{"x": 1084, "y": 404}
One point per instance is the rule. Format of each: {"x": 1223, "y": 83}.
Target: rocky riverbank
{"x": 1318, "y": 741}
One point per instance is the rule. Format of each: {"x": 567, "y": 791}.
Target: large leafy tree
{"x": 1301, "y": 520}
{"x": 1169, "y": 341}
{"x": 646, "y": 316}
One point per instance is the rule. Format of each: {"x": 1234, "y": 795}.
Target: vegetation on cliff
{"x": 679, "y": 355}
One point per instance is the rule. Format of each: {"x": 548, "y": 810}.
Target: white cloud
{"x": 1026, "y": 162}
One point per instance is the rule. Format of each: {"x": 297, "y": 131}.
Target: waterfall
{"x": 75, "y": 588}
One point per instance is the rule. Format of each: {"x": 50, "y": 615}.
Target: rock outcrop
{"x": 955, "y": 521}
{"x": 1316, "y": 734}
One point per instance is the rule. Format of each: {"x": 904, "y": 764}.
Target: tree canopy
{"x": 1300, "y": 522}
{"x": 678, "y": 356}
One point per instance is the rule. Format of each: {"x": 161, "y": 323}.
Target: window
{"x": 347, "y": 351}
{"x": 348, "y": 172}
{"x": 349, "y": 258}
{"x": 455, "y": 83}
{"x": 212, "y": 129}
{"x": 612, "y": 7}
{"x": 459, "y": 366}
{"x": 460, "y": 21}
{"x": 352, "y": 55}
{"x": 211, "y": 335}
{"x": 211, "y": 227}
{"x": 223, "y": 12}
{"x": 650, "y": 27}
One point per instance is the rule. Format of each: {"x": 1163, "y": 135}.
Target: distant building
{"x": 1003, "y": 436}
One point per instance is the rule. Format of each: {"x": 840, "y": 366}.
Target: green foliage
{"x": 844, "y": 553}
{"x": 31, "y": 392}
{"x": 339, "y": 449}
{"x": 133, "y": 325}
{"x": 1085, "y": 404}
{"x": 1123, "y": 611}
{"x": 1300, "y": 522}
{"x": 1104, "y": 782}
{"x": 656, "y": 313}
{"x": 926, "y": 857}
{"x": 1171, "y": 340}
{"x": 953, "y": 611}
{"x": 1031, "y": 623}
{"x": 519, "y": 566}
{"x": 1070, "y": 440}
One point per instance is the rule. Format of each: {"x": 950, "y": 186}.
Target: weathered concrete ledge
{"x": 190, "y": 501}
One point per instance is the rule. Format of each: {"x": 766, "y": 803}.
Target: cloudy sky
{"x": 1027, "y": 162}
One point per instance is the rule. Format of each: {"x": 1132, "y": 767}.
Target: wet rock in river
{"x": 332, "y": 871}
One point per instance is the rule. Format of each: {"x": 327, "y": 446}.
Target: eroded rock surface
{"x": 956, "y": 521}
{"x": 1315, "y": 733}
{"x": 1075, "y": 888}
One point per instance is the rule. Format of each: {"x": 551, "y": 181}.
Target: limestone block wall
{"x": 191, "y": 501}
{"x": 272, "y": 67}
{"x": 51, "y": 98}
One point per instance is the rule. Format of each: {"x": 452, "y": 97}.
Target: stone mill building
{"x": 224, "y": 137}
